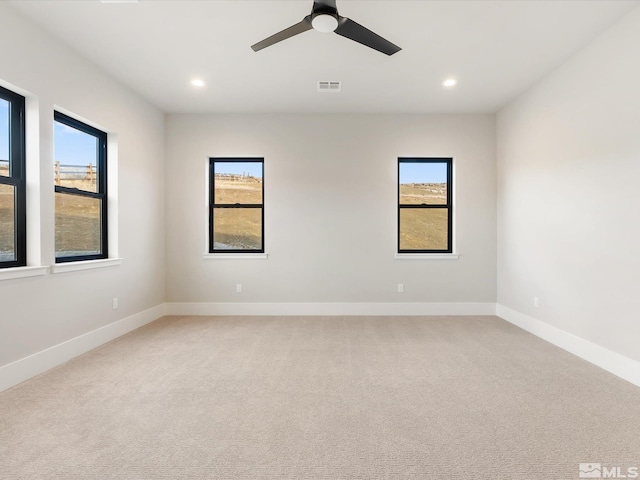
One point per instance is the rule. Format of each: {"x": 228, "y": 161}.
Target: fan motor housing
{"x": 324, "y": 22}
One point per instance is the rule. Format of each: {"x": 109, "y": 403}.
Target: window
{"x": 80, "y": 175}
{"x": 424, "y": 205}
{"x": 13, "y": 198}
{"x": 236, "y": 205}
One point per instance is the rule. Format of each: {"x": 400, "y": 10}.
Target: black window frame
{"x": 17, "y": 175}
{"x": 449, "y": 205}
{"x": 101, "y": 194}
{"x": 213, "y": 205}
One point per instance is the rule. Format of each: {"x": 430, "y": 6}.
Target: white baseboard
{"x": 25, "y": 368}
{"x": 284, "y": 309}
{"x": 621, "y": 366}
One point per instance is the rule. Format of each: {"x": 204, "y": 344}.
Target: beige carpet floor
{"x": 320, "y": 398}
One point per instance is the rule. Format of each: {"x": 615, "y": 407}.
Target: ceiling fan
{"x": 324, "y": 17}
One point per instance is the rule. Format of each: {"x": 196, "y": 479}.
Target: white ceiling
{"x": 496, "y": 50}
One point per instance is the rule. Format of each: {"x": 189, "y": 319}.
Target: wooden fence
{"x": 62, "y": 173}
{"x": 233, "y": 177}
{"x": 74, "y": 173}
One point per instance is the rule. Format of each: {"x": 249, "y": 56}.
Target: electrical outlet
{"x": 535, "y": 302}
{"x": 400, "y": 287}
{"x": 238, "y": 288}
{"x": 114, "y": 303}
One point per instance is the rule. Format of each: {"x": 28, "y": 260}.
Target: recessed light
{"x": 197, "y": 82}
{"x": 449, "y": 82}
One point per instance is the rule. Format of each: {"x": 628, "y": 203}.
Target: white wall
{"x": 330, "y": 208}
{"x": 569, "y": 196}
{"x": 39, "y": 312}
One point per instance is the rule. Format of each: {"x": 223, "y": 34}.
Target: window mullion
{"x": 14, "y": 182}
{"x": 409, "y": 205}
{"x": 237, "y": 205}
{"x": 78, "y": 192}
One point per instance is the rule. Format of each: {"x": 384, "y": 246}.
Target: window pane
{"x": 7, "y": 223}
{"x": 423, "y": 183}
{"x": 75, "y": 157}
{"x": 238, "y": 182}
{"x": 424, "y": 228}
{"x": 237, "y": 228}
{"x": 77, "y": 225}
{"x": 4, "y": 138}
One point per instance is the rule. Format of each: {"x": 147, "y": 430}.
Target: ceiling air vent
{"x": 329, "y": 87}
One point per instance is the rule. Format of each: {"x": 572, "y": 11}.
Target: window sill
{"x": 85, "y": 265}
{"x": 426, "y": 256}
{"x": 235, "y": 256}
{"x": 22, "y": 272}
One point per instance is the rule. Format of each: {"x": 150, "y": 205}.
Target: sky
{"x": 254, "y": 169}
{"x": 4, "y": 130}
{"x": 423, "y": 172}
{"x": 73, "y": 147}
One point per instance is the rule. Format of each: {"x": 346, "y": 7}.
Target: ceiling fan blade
{"x": 301, "y": 27}
{"x": 324, "y": 6}
{"x": 356, "y": 32}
